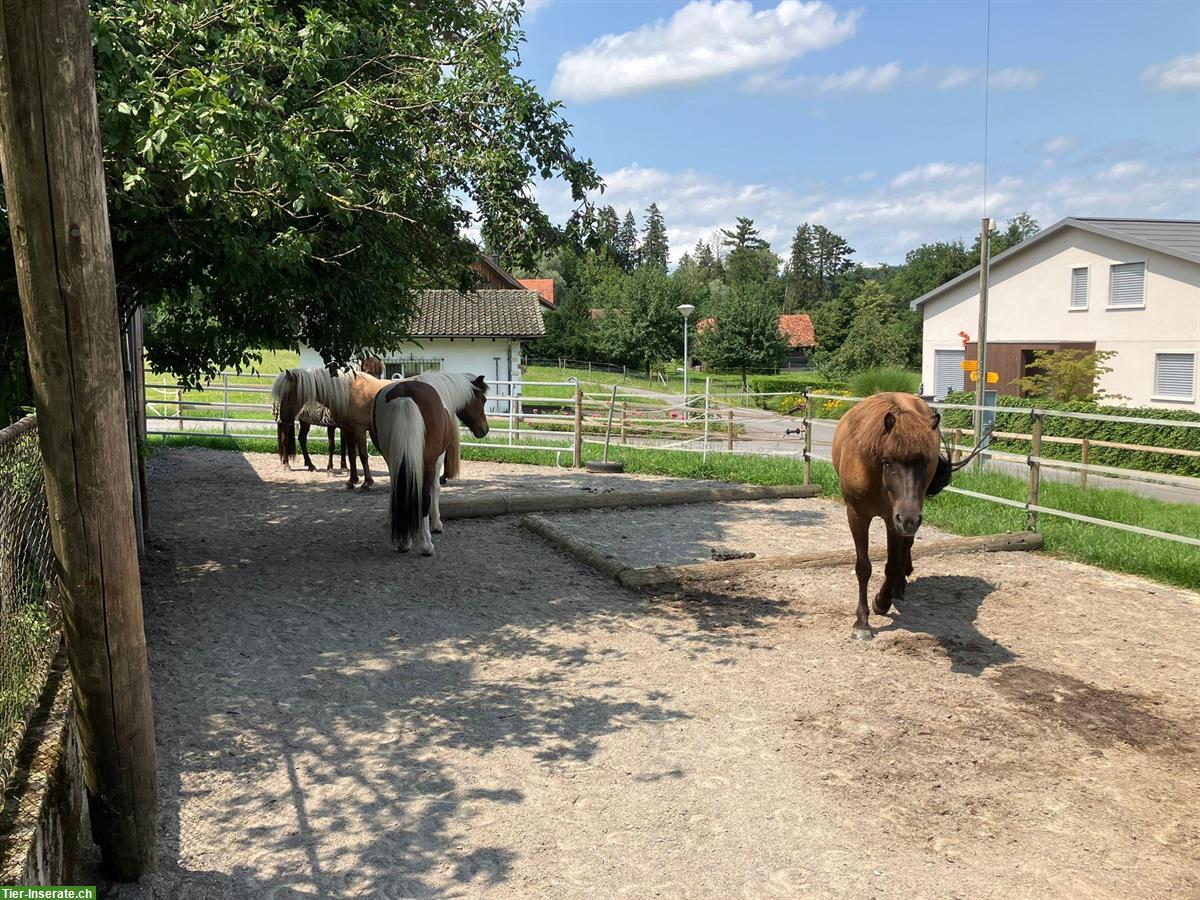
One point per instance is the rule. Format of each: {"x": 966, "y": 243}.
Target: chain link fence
{"x": 29, "y": 612}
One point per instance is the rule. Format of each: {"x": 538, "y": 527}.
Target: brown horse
{"x": 464, "y": 396}
{"x": 349, "y": 397}
{"x": 413, "y": 430}
{"x": 886, "y": 453}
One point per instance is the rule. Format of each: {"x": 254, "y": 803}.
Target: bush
{"x": 882, "y": 380}
{"x": 798, "y": 383}
{"x": 1116, "y": 432}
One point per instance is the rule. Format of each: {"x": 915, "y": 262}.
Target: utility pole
{"x": 58, "y": 218}
{"x": 985, "y": 254}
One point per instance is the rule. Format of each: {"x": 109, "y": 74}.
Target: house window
{"x": 1127, "y": 285}
{"x": 947, "y": 372}
{"x": 1079, "y": 287}
{"x": 1175, "y": 376}
{"x": 406, "y": 368}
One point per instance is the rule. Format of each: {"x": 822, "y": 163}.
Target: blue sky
{"x": 869, "y": 117}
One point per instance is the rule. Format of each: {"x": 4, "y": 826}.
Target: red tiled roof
{"x": 544, "y": 286}
{"x": 703, "y": 325}
{"x": 798, "y": 330}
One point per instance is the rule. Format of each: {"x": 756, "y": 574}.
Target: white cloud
{"x": 1180, "y": 74}
{"x": 1059, "y": 144}
{"x": 1014, "y": 79}
{"x": 876, "y": 79}
{"x": 884, "y": 219}
{"x": 702, "y": 40}
{"x": 1125, "y": 169}
{"x": 937, "y": 172}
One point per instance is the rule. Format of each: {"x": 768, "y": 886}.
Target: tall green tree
{"x": 744, "y": 336}
{"x": 832, "y": 253}
{"x": 285, "y": 173}
{"x": 743, "y": 236}
{"x": 803, "y": 286}
{"x": 625, "y": 247}
{"x": 929, "y": 266}
{"x": 878, "y": 336}
{"x": 655, "y": 250}
{"x": 645, "y": 330}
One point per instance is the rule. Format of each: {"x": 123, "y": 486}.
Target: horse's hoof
{"x": 350, "y": 485}
{"x": 367, "y": 485}
{"x": 880, "y": 606}
{"x": 437, "y": 530}
{"x": 862, "y": 634}
{"x": 427, "y": 551}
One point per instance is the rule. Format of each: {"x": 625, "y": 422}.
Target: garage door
{"x": 947, "y": 372}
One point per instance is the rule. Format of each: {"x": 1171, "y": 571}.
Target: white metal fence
{"x": 561, "y": 417}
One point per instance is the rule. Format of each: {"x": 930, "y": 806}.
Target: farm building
{"x": 1127, "y": 285}
{"x": 479, "y": 331}
{"x": 797, "y": 330}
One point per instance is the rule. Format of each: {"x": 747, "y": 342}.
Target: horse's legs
{"x": 893, "y": 578}
{"x": 308, "y": 463}
{"x": 330, "y": 437}
{"x": 353, "y": 435}
{"x": 435, "y": 509}
{"x": 342, "y": 467}
{"x": 860, "y": 528}
{"x": 428, "y": 495}
{"x": 908, "y": 566}
{"x": 363, "y": 454}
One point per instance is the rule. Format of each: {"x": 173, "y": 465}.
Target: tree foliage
{"x": 742, "y": 334}
{"x": 280, "y": 173}
{"x": 1067, "y": 375}
{"x": 655, "y": 250}
{"x": 625, "y": 247}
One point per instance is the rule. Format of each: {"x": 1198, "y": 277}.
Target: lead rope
{"x": 983, "y": 442}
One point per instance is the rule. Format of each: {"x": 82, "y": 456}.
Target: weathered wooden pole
{"x": 577, "y": 454}
{"x": 729, "y": 433}
{"x": 1083, "y": 461}
{"x": 808, "y": 420}
{"x": 54, "y": 187}
{"x": 1035, "y": 470}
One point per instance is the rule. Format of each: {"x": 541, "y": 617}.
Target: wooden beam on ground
{"x": 708, "y": 571}
{"x": 58, "y": 218}
{"x": 510, "y": 504}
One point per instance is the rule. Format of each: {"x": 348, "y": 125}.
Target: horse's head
{"x": 910, "y": 459}
{"x": 474, "y": 414}
{"x": 372, "y": 365}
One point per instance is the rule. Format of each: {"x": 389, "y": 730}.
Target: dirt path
{"x": 335, "y": 719}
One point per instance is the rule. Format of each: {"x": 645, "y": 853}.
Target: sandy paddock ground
{"x": 336, "y": 719}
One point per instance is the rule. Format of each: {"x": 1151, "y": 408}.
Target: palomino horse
{"x": 319, "y": 415}
{"x": 349, "y": 397}
{"x": 886, "y": 453}
{"x": 413, "y": 430}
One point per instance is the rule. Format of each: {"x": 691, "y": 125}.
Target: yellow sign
{"x": 970, "y": 365}
{"x": 992, "y": 377}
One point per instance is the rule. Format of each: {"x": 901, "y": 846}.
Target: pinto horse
{"x": 414, "y": 430}
{"x": 886, "y": 453}
{"x": 464, "y": 397}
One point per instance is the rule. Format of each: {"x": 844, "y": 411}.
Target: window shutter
{"x": 1175, "y": 375}
{"x": 1079, "y": 288}
{"x": 1127, "y": 286}
{"x": 947, "y": 372}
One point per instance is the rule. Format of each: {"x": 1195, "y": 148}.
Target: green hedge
{"x": 797, "y": 382}
{"x": 1118, "y": 432}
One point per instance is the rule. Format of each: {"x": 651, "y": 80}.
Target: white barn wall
{"x": 1029, "y": 297}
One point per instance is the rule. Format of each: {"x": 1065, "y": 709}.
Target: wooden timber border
{"x": 510, "y": 504}
{"x": 649, "y": 576}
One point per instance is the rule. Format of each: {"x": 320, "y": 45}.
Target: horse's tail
{"x": 453, "y": 452}
{"x": 401, "y": 431}
{"x": 284, "y": 407}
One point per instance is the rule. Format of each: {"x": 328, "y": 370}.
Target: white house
{"x": 1127, "y": 285}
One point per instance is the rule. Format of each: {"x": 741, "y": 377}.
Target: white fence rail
{"x": 561, "y": 417}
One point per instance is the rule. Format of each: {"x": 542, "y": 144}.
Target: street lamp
{"x": 686, "y": 309}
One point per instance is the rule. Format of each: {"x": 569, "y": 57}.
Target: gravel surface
{"x": 335, "y": 719}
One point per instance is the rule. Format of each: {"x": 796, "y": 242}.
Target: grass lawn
{"x": 1105, "y": 547}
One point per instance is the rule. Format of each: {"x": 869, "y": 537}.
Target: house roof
{"x": 544, "y": 286}
{"x": 798, "y": 330}
{"x": 1174, "y": 237}
{"x": 494, "y": 274}
{"x": 491, "y": 313}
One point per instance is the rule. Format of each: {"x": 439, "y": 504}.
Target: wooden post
{"x": 956, "y": 455}
{"x": 1035, "y": 470}
{"x": 578, "y": 455}
{"x": 58, "y": 216}
{"x": 1084, "y": 451}
{"x": 729, "y": 435}
{"x": 808, "y": 418}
